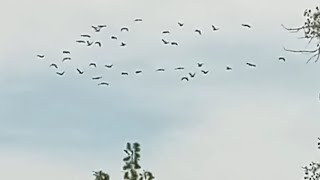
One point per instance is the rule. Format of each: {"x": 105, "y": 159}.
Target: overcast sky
{"x": 248, "y": 123}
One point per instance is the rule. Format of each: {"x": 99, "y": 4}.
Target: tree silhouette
{"x": 312, "y": 171}
{"x": 311, "y": 29}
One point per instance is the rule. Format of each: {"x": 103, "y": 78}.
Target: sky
{"x": 246, "y": 123}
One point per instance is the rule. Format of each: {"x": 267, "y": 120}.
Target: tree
{"x": 311, "y": 29}
{"x": 312, "y": 171}
{"x": 132, "y": 169}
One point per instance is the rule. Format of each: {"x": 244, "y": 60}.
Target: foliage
{"x": 312, "y": 171}
{"x": 311, "y": 29}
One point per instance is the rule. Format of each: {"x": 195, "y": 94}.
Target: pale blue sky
{"x": 246, "y": 124}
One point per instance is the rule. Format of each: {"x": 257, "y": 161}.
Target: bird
{"x": 200, "y": 64}
{"x": 282, "y": 59}
{"x": 114, "y": 37}
{"x": 93, "y": 64}
{"x": 246, "y": 25}
{"x": 97, "y": 78}
{"x": 192, "y": 74}
{"x": 66, "y": 58}
{"x": 205, "y": 72}
{"x": 174, "y": 43}
{"x": 251, "y": 65}
{"x": 160, "y": 70}
{"x": 89, "y": 43}
{"x": 124, "y": 73}
{"x": 137, "y": 20}
{"x": 123, "y": 44}
{"x": 102, "y": 26}
{"x": 179, "y": 68}
{"x": 197, "y": 31}
{"x": 108, "y": 66}
{"x": 85, "y": 35}
{"x": 60, "y": 73}
{"x": 185, "y": 78}
{"x": 103, "y": 83}
{"x": 180, "y": 24}
{"x": 79, "y": 71}
{"x": 228, "y": 68}
{"x": 165, "y": 32}
{"x": 124, "y": 29}
{"x": 138, "y": 71}
{"x": 41, "y": 56}
{"x": 81, "y": 41}
{"x": 98, "y": 43}
{"x": 54, "y": 65}
{"x": 66, "y": 52}
{"x": 98, "y": 28}
{"x": 214, "y": 28}
{"x": 164, "y": 41}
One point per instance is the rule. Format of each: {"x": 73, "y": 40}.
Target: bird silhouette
{"x": 192, "y": 75}
{"x": 54, "y": 65}
{"x": 165, "y": 32}
{"x": 138, "y": 71}
{"x": 124, "y": 73}
{"x": 103, "y": 84}
{"x": 40, "y": 56}
{"x": 66, "y": 59}
{"x": 98, "y": 28}
{"x": 180, "y": 24}
{"x": 85, "y": 35}
{"x": 97, "y": 78}
{"x": 81, "y": 41}
{"x": 282, "y": 59}
{"x": 89, "y": 43}
{"x": 197, "y": 31}
{"x": 179, "y": 68}
{"x": 246, "y": 25}
{"x": 138, "y": 20}
{"x": 185, "y": 78}
{"x": 228, "y": 68}
{"x": 124, "y": 29}
{"x": 205, "y": 72}
{"x": 164, "y": 41}
{"x": 251, "y": 65}
{"x": 66, "y": 52}
{"x": 93, "y": 64}
{"x": 174, "y": 43}
{"x": 98, "y": 43}
{"x": 160, "y": 70}
{"x": 79, "y": 71}
{"x": 200, "y": 64}
{"x": 123, "y": 44}
{"x": 108, "y": 66}
{"x": 214, "y": 28}
{"x": 114, "y": 37}
{"x": 60, "y": 73}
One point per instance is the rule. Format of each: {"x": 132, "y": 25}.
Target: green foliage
{"x": 100, "y": 175}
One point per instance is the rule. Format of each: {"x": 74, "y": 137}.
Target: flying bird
{"x": 66, "y": 52}
{"x": 282, "y": 59}
{"x": 164, "y": 41}
{"x": 54, "y": 65}
{"x": 205, "y": 72}
{"x": 251, "y": 65}
{"x": 185, "y": 78}
{"x": 124, "y": 73}
{"x": 214, "y": 28}
{"x": 89, "y": 43}
{"x": 93, "y": 64}
{"x": 179, "y": 68}
{"x": 81, "y": 41}
{"x": 123, "y": 44}
{"x": 40, "y": 56}
{"x": 165, "y": 32}
{"x": 85, "y": 35}
{"x": 114, "y": 37}
{"x": 197, "y": 31}
{"x": 174, "y": 43}
{"x": 60, "y": 73}
{"x": 109, "y": 66}
{"x": 97, "y": 78}
{"x": 124, "y": 29}
{"x": 103, "y": 84}
{"x": 228, "y": 68}
{"x": 192, "y": 74}
{"x": 138, "y": 71}
{"x": 180, "y": 24}
{"x": 200, "y": 64}
{"x": 160, "y": 70}
{"x": 98, "y": 28}
{"x": 246, "y": 25}
{"x": 79, "y": 71}
{"x": 98, "y": 43}
{"x": 138, "y": 20}
{"x": 66, "y": 58}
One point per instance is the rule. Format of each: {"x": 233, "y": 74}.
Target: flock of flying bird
{"x": 88, "y": 42}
